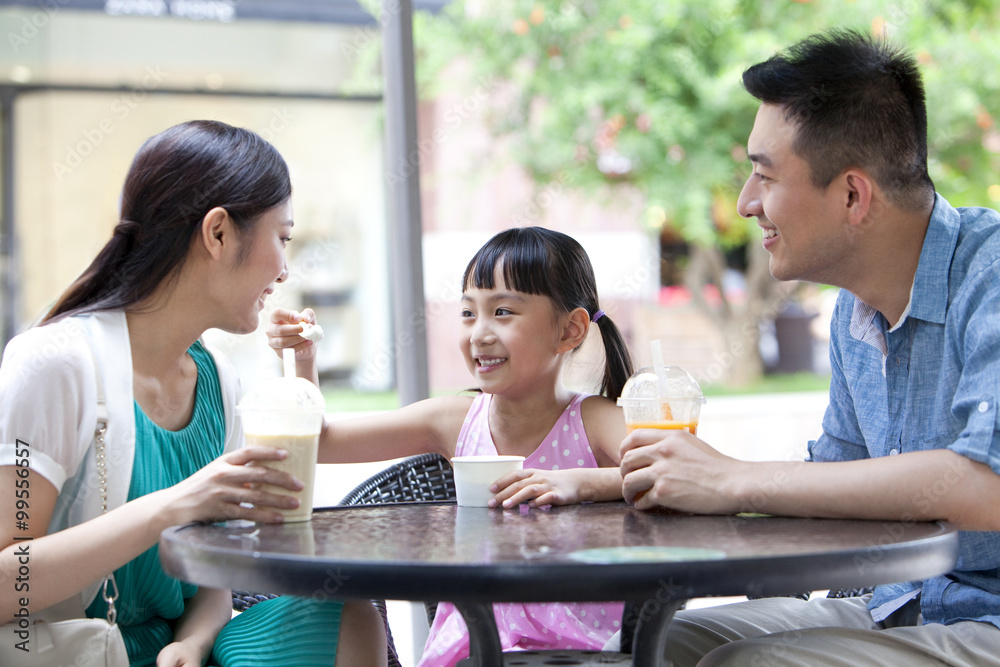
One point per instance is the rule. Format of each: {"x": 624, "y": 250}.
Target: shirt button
{"x": 984, "y": 406}
{"x": 893, "y": 451}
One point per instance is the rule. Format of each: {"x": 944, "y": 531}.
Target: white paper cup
{"x": 475, "y": 474}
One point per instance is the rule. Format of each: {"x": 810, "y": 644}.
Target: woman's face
{"x": 262, "y": 266}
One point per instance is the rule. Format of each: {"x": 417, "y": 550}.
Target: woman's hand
{"x": 179, "y": 654}
{"x": 556, "y": 487}
{"x": 217, "y": 491}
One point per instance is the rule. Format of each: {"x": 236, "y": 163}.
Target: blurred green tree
{"x": 647, "y": 95}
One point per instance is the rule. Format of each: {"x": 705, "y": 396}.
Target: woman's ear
{"x": 217, "y": 232}
{"x": 575, "y": 329}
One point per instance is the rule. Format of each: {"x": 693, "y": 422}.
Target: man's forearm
{"x": 916, "y": 486}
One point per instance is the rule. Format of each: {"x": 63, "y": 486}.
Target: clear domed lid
{"x": 644, "y": 385}
{"x": 291, "y": 395}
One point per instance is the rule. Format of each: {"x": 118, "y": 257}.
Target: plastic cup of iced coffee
{"x": 287, "y": 413}
{"x": 670, "y": 400}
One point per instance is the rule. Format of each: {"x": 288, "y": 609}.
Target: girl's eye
{"x": 285, "y": 239}
{"x": 466, "y": 312}
{"x": 504, "y": 311}
{"x": 761, "y": 176}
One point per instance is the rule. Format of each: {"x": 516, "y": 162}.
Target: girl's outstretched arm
{"x": 431, "y": 425}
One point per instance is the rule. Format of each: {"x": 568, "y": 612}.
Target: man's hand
{"x": 677, "y": 470}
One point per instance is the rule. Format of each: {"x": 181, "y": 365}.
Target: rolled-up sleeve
{"x": 977, "y": 316}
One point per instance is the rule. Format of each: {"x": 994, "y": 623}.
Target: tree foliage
{"x": 649, "y": 93}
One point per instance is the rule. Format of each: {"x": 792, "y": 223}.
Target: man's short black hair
{"x": 857, "y": 101}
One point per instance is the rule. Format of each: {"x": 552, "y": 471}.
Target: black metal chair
{"x": 420, "y": 478}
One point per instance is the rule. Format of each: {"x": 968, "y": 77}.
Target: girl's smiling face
{"x": 510, "y": 339}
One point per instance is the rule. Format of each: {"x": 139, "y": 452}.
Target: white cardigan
{"x": 48, "y": 399}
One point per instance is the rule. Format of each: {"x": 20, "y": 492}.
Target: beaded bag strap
{"x": 109, "y": 590}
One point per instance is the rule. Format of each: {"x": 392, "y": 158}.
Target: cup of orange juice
{"x": 676, "y": 405}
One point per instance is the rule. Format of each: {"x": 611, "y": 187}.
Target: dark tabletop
{"x": 601, "y": 551}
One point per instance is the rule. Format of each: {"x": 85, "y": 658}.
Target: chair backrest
{"x": 420, "y": 478}
{"x": 425, "y": 477}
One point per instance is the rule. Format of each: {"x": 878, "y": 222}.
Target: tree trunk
{"x": 740, "y": 363}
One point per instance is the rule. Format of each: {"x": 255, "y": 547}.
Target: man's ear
{"x": 859, "y": 190}
{"x": 217, "y": 232}
{"x": 574, "y": 330}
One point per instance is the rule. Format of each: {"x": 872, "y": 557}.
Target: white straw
{"x": 661, "y": 373}
{"x": 288, "y": 358}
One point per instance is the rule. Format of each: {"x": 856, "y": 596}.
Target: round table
{"x": 653, "y": 560}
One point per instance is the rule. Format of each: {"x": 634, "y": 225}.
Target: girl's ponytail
{"x": 617, "y": 360}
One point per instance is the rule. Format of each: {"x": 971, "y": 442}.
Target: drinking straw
{"x": 661, "y": 373}
{"x": 288, "y": 360}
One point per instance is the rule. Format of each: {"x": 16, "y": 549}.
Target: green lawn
{"x": 775, "y": 384}
{"x": 348, "y": 400}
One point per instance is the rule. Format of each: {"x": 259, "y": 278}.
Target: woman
{"x": 205, "y": 216}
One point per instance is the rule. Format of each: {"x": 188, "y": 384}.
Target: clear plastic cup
{"x": 287, "y": 413}
{"x": 677, "y": 408}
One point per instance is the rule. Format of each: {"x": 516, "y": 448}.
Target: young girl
{"x": 529, "y": 299}
{"x": 205, "y": 215}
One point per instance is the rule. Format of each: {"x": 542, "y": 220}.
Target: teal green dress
{"x": 287, "y": 629}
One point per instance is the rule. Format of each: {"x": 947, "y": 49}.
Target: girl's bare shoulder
{"x": 605, "y": 427}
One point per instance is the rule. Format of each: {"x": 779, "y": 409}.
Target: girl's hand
{"x": 179, "y": 654}
{"x": 543, "y": 487}
{"x": 284, "y": 331}
{"x": 215, "y": 492}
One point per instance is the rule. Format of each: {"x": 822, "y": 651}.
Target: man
{"x": 841, "y": 193}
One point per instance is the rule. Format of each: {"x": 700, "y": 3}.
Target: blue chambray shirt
{"x": 931, "y": 382}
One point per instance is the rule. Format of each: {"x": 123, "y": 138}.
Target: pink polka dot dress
{"x": 527, "y": 626}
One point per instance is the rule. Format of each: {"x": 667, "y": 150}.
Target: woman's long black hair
{"x": 176, "y": 178}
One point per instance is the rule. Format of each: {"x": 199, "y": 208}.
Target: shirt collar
{"x": 929, "y": 291}
{"x": 929, "y": 296}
